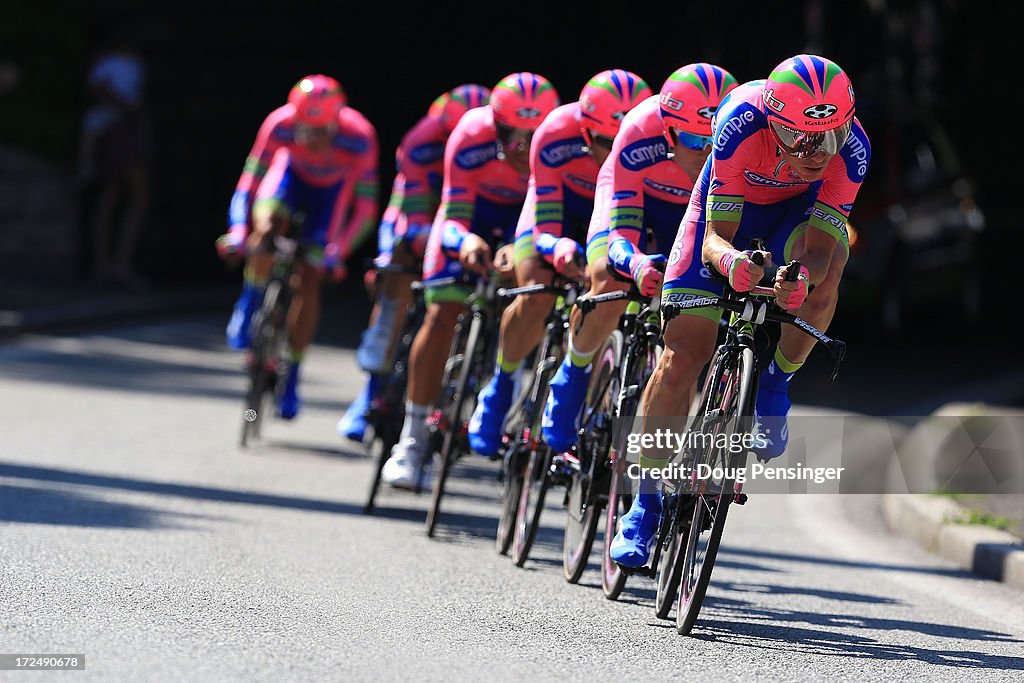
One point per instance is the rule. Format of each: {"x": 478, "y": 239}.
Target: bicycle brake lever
{"x": 586, "y": 306}
{"x": 838, "y": 351}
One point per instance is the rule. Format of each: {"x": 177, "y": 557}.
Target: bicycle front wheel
{"x": 588, "y": 488}
{"x": 514, "y": 472}
{"x": 732, "y": 382}
{"x": 264, "y": 343}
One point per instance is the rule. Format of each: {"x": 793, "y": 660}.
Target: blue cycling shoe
{"x": 770, "y": 416}
{"x": 352, "y": 424}
{"x": 238, "y": 334}
{"x": 288, "y": 402}
{"x": 560, "y": 425}
{"x": 638, "y": 528}
{"x": 489, "y": 417}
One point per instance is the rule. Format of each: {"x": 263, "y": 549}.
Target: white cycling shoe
{"x": 406, "y": 466}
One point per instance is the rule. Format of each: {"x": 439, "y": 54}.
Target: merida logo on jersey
{"x": 477, "y": 155}
{"x": 668, "y": 189}
{"x": 728, "y": 207}
{"x": 732, "y": 126}
{"x": 829, "y": 218}
{"x": 562, "y": 152}
{"x": 428, "y": 153}
{"x": 644, "y": 153}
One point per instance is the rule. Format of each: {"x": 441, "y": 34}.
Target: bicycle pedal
{"x": 636, "y": 571}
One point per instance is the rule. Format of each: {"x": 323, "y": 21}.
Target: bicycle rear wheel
{"x": 531, "y": 503}
{"x": 588, "y": 489}
{"x": 452, "y": 443}
{"x": 733, "y": 385}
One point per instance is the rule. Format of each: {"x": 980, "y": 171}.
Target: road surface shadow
{"x": 47, "y": 474}
{"x": 835, "y": 562}
{"x": 738, "y": 622}
{"x": 36, "y": 505}
{"x": 338, "y": 452}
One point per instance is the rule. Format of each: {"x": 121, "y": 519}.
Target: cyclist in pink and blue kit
{"x": 402, "y": 236}
{"x": 313, "y": 156}
{"x": 568, "y": 150}
{"x": 788, "y": 161}
{"x": 642, "y": 193}
{"x": 486, "y": 170}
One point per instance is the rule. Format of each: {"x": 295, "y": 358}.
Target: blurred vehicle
{"x": 914, "y": 240}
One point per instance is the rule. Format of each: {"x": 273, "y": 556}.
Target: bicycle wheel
{"x": 670, "y": 567}
{"x": 262, "y": 351}
{"x": 387, "y": 415}
{"x": 588, "y": 488}
{"x": 514, "y": 471}
{"x": 522, "y": 430}
{"x": 380, "y": 450}
{"x": 732, "y": 384}
{"x": 637, "y": 368}
{"x": 452, "y": 443}
{"x": 531, "y": 503}
{"x": 613, "y": 579}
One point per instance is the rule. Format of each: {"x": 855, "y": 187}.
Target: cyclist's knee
{"x": 308, "y": 280}
{"x": 689, "y": 342}
{"x": 534, "y": 307}
{"x": 601, "y": 280}
{"x": 440, "y": 316}
{"x": 530, "y": 271}
{"x": 402, "y": 255}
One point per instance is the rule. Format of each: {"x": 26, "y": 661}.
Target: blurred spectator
{"x": 113, "y": 157}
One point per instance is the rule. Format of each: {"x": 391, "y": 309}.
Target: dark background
{"x": 216, "y": 69}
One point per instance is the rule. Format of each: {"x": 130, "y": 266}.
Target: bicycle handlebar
{"x": 758, "y": 312}
{"x": 393, "y": 268}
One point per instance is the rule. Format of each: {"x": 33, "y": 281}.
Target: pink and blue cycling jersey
{"x": 481, "y": 193}
{"x": 327, "y": 186}
{"x": 416, "y": 190}
{"x": 639, "y": 189}
{"x": 563, "y": 178}
{"x": 746, "y": 180}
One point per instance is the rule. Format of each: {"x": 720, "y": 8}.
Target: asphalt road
{"x": 133, "y": 530}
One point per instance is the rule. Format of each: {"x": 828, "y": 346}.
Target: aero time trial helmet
{"x": 809, "y": 103}
{"x": 689, "y": 98}
{"x": 450, "y": 106}
{"x": 522, "y": 100}
{"x": 604, "y": 101}
{"x": 317, "y": 100}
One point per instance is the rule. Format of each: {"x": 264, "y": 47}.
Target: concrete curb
{"x": 988, "y": 552}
